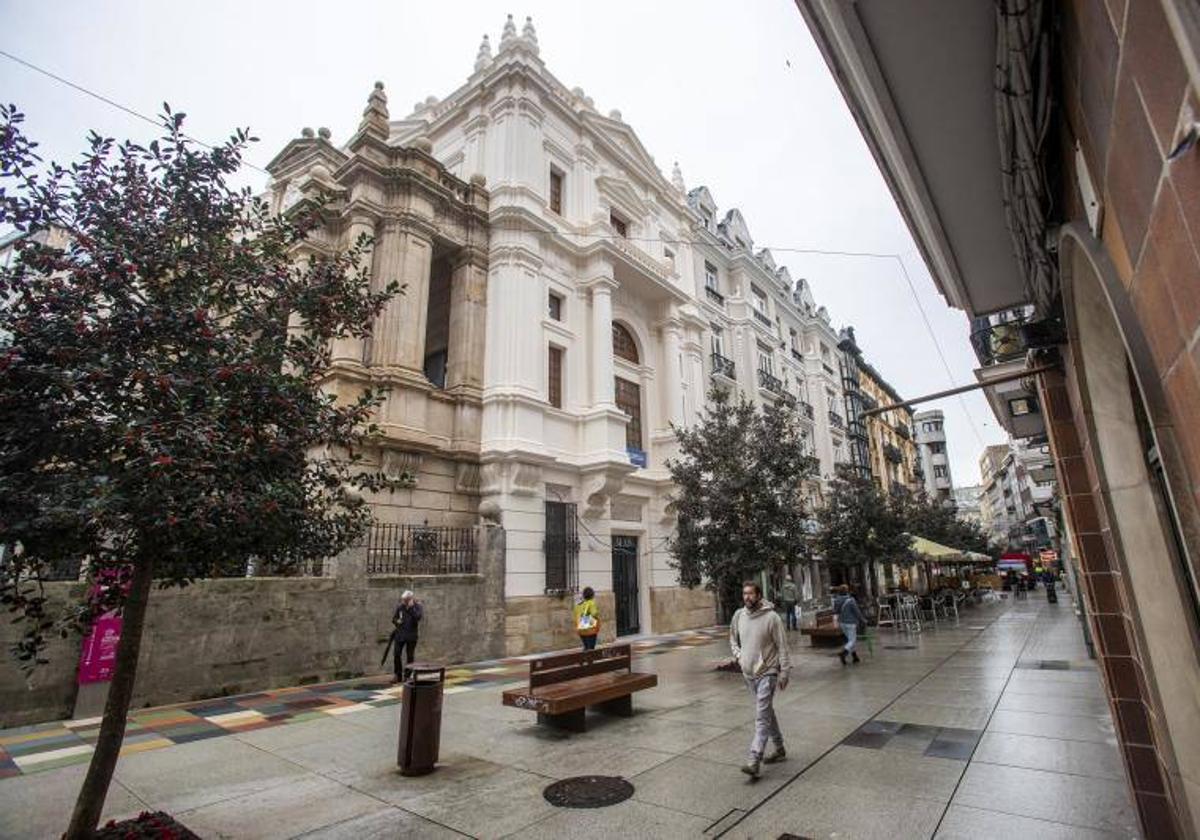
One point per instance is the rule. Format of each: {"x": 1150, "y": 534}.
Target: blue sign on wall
{"x": 637, "y": 457}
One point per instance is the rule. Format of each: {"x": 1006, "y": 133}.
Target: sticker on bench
{"x": 535, "y": 703}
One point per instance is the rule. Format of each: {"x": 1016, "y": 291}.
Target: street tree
{"x": 739, "y": 494}
{"x": 161, "y": 410}
{"x": 859, "y": 523}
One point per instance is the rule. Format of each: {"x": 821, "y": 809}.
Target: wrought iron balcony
{"x": 806, "y": 409}
{"x": 868, "y": 402}
{"x": 797, "y": 355}
{"x": 722, "y": 366}
{"x": 714, "y": 296}
{"x": 769, "y": 382}
{"x": 828, "y": 369}
{"x": 762, "y": 319}
{"x": 892, "y": 453}
{"x": 996, "y": 343}
{"x": 836, "y": 420}
{"x": 903, "y": 430}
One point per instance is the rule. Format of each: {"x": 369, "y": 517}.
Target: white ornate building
{"x": 614, "y": 301}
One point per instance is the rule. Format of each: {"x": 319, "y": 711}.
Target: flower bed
{"x": 146, "y": 826}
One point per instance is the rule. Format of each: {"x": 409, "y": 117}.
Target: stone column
{"x": 602, "y": 358}
{"x": 468, "y": 321}
{"x": 406, "y": 257}
{"x": 672, "y": 379}
{"x": 350, "y": 349}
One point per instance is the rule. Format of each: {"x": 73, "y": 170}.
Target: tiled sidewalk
{"x": 63, "y": 743}
{"x": 992, "y": 727}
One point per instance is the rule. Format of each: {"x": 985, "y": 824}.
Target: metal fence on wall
{"x": 421, "y": 550}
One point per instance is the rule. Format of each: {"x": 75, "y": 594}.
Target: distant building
{"x": 1015, "y": 502}
{"x": 967, "y": 503}
{"x": 931, "y": 441}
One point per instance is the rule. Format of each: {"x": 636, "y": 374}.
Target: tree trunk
{"x": 90, "y": 802}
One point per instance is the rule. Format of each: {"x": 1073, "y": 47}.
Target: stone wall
{"x": 675, "y": 608}
{"x": 234, "y": 635}
{"x": 48, "y": 693}
{"x": 538, "y": 623}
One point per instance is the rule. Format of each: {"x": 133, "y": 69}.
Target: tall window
{"x": 629, "y": 400}
{"x": 766, "y": 361}
{"x": 794, "y": 340}
{"x": 556, "y": 190}
{"x": 554, "y": 306}
{"x": 669, "y": 256}
{"x": 706, "y": 215}
{"x": 554, "y": 380}
{"x": 619, "y": 225}
{"x": 760, "y": 300}
{"x": 624, "y": 347}
{"x": 718, "y": 340}
{"x": 561, "y": 547}
{"x": 710, "y": 276}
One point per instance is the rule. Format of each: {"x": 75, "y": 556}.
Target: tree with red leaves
{"x": 161, "y": 409}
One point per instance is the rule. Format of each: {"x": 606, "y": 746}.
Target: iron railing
{"x": 762, "y": 319}
{"x": 722, "y": 366}
{"x": 715, "y": 296}
{"x": 892, "y": 453}
{"x": 421, "y": 550}
{"x": 797, "y": 355}
{"x": 806, "y": 409}
{"x": 769, "y": 382}
{"x": 561, "y": 548}
{"x": 996, "y": 343}
{"x": 836, "y": 420}
{"x": 903, "y": 430}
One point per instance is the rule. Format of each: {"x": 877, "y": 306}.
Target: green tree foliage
{"x": 940, "y": 522}
{"x": 859, "y": 522}
{"x": 739, "y": 494}
{"x": 161, "y": 414}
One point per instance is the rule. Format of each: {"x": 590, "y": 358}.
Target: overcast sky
{"x": 737, "y": 93}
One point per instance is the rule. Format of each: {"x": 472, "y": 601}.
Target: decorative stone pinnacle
{"x": 530, "y": 34}
{"x": 375, "y": 116}
{"x": 677, "y": 177}
{"x": 324, "y": 133}
{"x": 484, "y": 57}
{"x": 307, "y": 133}
{"x": 509, "y": 34}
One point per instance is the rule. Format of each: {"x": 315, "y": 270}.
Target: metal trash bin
{"x": 421, "y": 718}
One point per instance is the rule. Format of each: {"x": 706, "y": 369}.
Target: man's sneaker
{"x": 751, "y": 769}
{"x": 855, "y": 655}
{"x": 776, "y": 755}
{"x": 842, "y": 656}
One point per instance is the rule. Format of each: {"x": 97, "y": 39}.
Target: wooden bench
{"x": 824, "y": 633}
{"x": 561, "y": 687}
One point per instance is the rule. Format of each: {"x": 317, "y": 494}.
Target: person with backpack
{"x": 587, "y": 619}
{"x": 850, "y": 617}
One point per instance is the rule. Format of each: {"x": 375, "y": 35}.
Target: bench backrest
{"x": 824, "y": 617}
{"x": 569, "y": 666}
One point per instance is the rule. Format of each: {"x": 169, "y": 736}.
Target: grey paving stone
{"x": 576, "y": 759}
{"x": 1084, "y": 801}
{"x": 705, "y": 788}
{"x": 819, "y": 810}
{"x": 630, "y": 818}
{"x": 1052, "y": 754}
{"x": 934, "y": 714}
{"x": 1054, "y": 704}
{"x": 40, "y": 805}
{"x": 962, "y": 823}
{"x": 501, "y": 803}
{"x": 881, "y": 772}
{"x": 1092, "y": 728}
{"x": 305, "y": 804}
{"x": 386, "y": 824}
{"x": 189, "y": 776}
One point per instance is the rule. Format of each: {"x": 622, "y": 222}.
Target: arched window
{"x": 624, "y": 347}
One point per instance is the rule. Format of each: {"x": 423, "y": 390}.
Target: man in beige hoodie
{"x": 759, "y": 645}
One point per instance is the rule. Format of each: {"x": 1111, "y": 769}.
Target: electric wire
{"x": 587, "y": 235}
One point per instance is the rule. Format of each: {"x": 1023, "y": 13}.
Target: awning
{"x": 931, "y": 550}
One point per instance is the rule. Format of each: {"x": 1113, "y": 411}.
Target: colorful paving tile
{"x": 46, "y": 746}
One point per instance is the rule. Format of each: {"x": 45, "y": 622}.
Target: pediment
{"x": 734, "y": 227}
{"x": 622, "y": 194}
{"x": 622, "y": 136}
{"x": 701, "y": 197}
{"x": 768, "y": 261}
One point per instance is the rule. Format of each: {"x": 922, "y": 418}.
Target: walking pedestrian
{"x": 849, "y": 618}
{"x": 756, "y": 637}
{"x": 790, "y": 597}
{"x": 406, "y": 622}
{"x": 587, "y": 619}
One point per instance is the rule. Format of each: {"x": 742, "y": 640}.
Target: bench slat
{"x": 577, "y": 694}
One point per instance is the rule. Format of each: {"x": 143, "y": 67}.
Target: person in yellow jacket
{"x": 587, "y": 619}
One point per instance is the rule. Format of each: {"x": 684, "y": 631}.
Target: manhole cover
{"x": 900, "y": 647}
{"x": 588, "y": 792}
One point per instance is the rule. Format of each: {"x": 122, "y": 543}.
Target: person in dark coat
{"x": 849, "y": 616}
{"x": 406, "y": 623}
